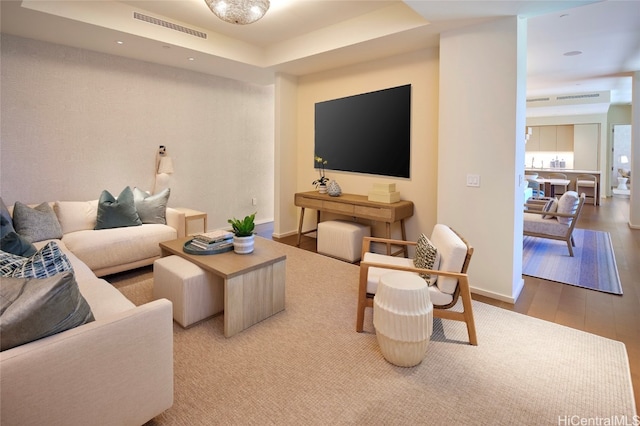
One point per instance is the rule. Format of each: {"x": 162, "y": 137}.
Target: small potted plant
{"x": 321, "y": 183}
{"x": 243, "y": 236}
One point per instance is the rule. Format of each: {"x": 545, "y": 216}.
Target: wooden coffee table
{"x": 254, "y": 284}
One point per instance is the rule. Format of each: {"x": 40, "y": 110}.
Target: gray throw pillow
{"x": 151, "y": 208}
{"x": 32, "y": 308}
{"x": 427, "y": 257}
{"x": 117, "y": 213}
{"x": 36, "y": 224}
{"x": 16, "y": 244}
{"x": 46, "y": 262}
{"x": 6, "y": 222}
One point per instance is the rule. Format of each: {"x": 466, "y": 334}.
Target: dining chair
{"x": 563, "y": 188}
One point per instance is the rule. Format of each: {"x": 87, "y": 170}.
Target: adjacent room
{"x": 319, "y": 212}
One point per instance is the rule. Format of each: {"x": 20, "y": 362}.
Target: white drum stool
{"x": 622, "y": 183}
{"x": 342, "y": 239}
{"x": 403, "y": 318}
{"x": 195, "y": 293}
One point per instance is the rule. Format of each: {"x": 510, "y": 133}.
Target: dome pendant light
{"x": 239, "y": 12}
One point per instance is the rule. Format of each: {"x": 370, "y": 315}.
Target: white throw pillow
{"x": 76, "y": 215}
{"x": 568, "y": 204}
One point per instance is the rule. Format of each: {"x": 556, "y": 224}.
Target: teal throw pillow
{"x": 117, "y": 213}
{"x": 16, "y": 244}
{"x": 151, "y": 208}
{"x": 6, "y": 222}
{"x": 36, "y": 224}
{"x": 33, "y": 308}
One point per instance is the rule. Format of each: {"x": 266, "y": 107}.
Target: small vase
{"x": 334, "y": 189}
{"x": 322, "y": 189}
{"x": 243, "y": 245}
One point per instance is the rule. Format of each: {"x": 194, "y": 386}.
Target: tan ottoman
{"x": 342, "y": 239}
{"x": 195, "y": 293}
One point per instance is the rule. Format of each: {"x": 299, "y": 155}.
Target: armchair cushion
{"x": 535, "y": 223}
{"x": 453, "y": 252}
{"x": 568, "y": 204}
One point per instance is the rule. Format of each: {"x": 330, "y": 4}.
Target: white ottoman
{"x": 195, "y": 293}
{"x": 403, "y": 318}
{"x": 342, "y": 239}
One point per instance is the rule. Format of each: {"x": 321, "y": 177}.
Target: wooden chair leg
{"x": 362, "y": 298}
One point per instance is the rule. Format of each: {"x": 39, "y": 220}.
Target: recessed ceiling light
{"x": 573, "y": 53}
{"x": 192, "y": 59}
{"x": 119, "y": 42}
{"x": 564, "y": 15}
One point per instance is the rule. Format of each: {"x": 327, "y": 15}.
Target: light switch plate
{"x": 473, "y": 180}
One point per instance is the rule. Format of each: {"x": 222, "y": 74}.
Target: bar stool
{"x": 588, "y": 182}
{"x": 564, "y": 188}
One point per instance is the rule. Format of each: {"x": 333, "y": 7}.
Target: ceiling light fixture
{"x": 239, "y": 12}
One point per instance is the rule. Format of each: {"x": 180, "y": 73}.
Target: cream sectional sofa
{"x": 116, "y": 370}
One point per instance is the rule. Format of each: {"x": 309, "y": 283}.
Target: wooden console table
{"x": 357, "y": 206}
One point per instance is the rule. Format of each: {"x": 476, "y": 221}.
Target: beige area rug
{"x": 308, "y": 366}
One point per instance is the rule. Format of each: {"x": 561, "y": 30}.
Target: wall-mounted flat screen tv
{"x": 366, "y": 133}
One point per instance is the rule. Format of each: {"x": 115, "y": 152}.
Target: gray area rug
{"x": 308, "y": 366}
{"x": 593, "y": 265}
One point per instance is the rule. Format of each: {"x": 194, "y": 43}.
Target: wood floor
{"x": 611, "y": 316}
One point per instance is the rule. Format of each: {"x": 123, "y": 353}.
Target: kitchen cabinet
{"x": 551, "y": 139}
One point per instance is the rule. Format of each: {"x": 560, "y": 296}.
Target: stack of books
{"x": 212, "y": 240}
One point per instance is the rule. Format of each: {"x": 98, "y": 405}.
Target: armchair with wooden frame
{"x": 452, "y": 282}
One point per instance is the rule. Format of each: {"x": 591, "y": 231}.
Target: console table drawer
{"x": 335, "y": 207}
{"x": 307, "y": 202}
{"x": 373, "y": 213}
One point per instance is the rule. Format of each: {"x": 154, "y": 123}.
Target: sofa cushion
{"x": 568, "y": 204}
{"x": 76, "y": 215}
{"x": 117, "y": 213}
{"x": 46, "y": 262}
{"x": 6, "y": 222}
{"x": 151, "y": 208}
{"x": 125, "y": 245}
{"x": 16, "y": 244}
{"x": 36, "y": 224}
{"x": 32, "y": 308}
{"x": 427, "y": 257}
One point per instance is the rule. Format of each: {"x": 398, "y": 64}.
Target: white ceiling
{"x": 305, "y": 36}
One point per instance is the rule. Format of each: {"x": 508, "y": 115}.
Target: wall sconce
{"x": 164, "y": 167}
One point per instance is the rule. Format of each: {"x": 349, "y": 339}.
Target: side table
{"x": 190, "y": 215}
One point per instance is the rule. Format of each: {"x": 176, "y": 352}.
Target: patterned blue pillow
{"x": 47, "y": 262}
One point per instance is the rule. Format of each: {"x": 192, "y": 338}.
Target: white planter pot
{"x": 243, "y": 245}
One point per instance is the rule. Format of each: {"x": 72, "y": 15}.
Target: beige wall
{"x": 420, "y": 69}
{"x": 76, "y": 122}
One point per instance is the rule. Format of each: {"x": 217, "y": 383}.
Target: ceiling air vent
{"x": 538, "y": 100}
{"x": 587, "y": 95}
{"x": 169, "y": 25}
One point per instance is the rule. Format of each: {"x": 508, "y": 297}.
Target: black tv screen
{"x": 367, "y": 133}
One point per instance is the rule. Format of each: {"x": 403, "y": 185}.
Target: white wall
{"x": 482, "y": 130}
{"x": 75, "y": 122}
{"x": 420, "y": 69}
